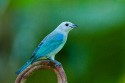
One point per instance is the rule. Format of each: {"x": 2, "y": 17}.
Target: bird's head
{"x": 66, "y": 26}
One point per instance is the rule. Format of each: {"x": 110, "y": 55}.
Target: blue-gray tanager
{"x": 50, "y": 45}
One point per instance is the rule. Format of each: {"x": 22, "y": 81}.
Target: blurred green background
{"x": 94, "y": 52}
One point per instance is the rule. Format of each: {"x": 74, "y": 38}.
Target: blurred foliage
{"x": 94, "y": 52}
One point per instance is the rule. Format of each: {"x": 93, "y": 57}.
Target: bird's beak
{"x": 74, "y": 25}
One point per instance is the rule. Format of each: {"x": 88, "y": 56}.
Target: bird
{"x": 50, "y": 45}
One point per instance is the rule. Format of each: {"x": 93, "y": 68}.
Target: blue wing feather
{"x": 48, "y": 44}
{"x": 35, "y": 51}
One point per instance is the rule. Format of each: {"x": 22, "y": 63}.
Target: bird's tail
{"x": 24, "y": 66}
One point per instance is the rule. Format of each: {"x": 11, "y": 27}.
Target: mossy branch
{"x": 43, "y": 64}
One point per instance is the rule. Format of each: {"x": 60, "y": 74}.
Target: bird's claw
{"x": 57, "y": 63}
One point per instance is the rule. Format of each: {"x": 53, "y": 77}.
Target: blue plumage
{"x": 50, "y": 45}
{"x": 24, "y": 66}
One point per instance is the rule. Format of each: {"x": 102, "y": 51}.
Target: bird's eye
{"x": 67, "y": 24}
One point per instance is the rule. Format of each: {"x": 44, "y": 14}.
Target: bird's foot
{"x": 55, "y": 63}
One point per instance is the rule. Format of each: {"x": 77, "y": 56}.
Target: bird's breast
{"x": 55, "y": 51}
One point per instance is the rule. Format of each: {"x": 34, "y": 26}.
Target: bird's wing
{"x": 51, "y": 42}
